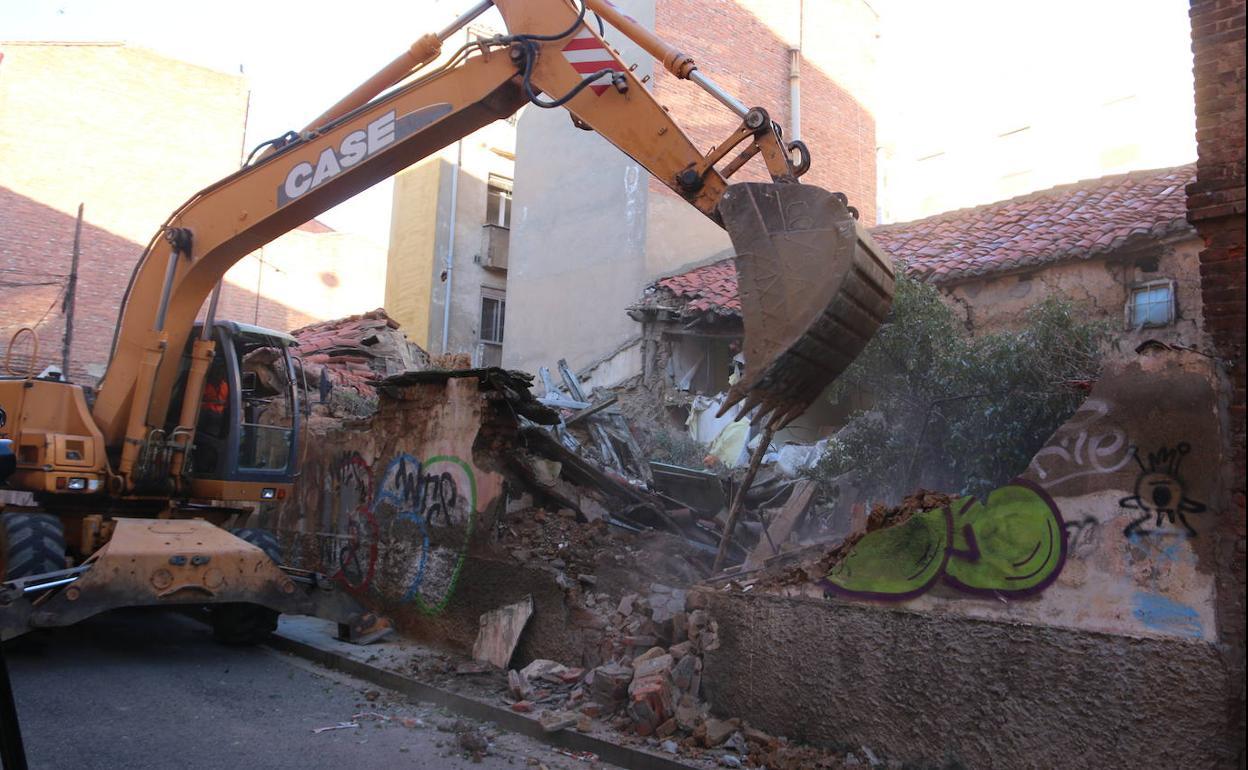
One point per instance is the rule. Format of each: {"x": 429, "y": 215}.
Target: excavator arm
{"x": 813, "y": 286}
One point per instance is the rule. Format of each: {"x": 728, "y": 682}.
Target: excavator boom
{"x": 371, "y": 135}
{"x": 140, "y": 483}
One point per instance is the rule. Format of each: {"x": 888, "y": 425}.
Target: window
{"x": 493, "y": 311}
{"x": 1151, "y": 304}
{"x": 498, "y": 201}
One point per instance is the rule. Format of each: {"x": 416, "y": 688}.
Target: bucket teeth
{"x": 814, "y": 288}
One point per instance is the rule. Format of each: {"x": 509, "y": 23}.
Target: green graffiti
{"x": 1013, "y": 543}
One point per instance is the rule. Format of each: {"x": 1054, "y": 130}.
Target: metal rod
{"x": 28, "y": 589}
{"x": 465, "y": 18}
{"x": 170, "y": 271}
{"x": 739, "y": 501}
{"x": 205, "y": 331}
{"x": 712, "y": 88}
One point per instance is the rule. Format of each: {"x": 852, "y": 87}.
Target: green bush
{"x": 954, "y": 412}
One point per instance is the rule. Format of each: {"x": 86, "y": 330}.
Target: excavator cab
{"x": 248, "y": 427}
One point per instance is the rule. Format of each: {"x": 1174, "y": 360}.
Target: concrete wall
{"x": 420, "y": 238}
{"x": 936, "y": 690}
{"x": 1101, "y": 288}
{"x": 593, "y": 229}
{"x": 578, "y": 232}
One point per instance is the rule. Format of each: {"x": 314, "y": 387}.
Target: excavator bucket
{"x": 813, "y": 286}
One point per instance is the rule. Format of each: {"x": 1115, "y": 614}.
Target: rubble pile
{"x": 350, "y": 353}
{"x": 650, "y": 688}
{"x": 807, "y": 566}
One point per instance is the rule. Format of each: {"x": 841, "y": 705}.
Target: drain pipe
{"x": 795, "y": 75}
{"x": 795, "y": 95}
{"x": 450, "y": 247}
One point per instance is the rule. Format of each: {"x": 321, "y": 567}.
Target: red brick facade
{"x": 128, "y": 133}
{"x": 737, "y": 44}
{"x": 1216, "y": 206}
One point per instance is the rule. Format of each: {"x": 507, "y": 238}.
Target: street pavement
{"x": 151, "y": 689}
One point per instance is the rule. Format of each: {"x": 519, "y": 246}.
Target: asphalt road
{"x": 148, "y": 689}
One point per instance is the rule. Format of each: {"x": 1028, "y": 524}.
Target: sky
{"x": 298, "y": 58}
{"x": 948, "y": 69}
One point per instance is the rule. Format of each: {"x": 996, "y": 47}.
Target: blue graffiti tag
{"x": 427, "y": 494}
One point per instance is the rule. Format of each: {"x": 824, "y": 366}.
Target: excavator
{"x": 132, "y": 493}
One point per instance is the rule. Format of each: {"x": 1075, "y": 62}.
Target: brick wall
{"x": 131, "y": 134}
{"x": 744, "y": 46}
{"x": 1216, "y": 206}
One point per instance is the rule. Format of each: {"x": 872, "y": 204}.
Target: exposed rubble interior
{"x": 534, "y": 530}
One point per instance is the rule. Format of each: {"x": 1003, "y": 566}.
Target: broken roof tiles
{"x": 1082, "y": 220}
{"x": 357, "y": 350}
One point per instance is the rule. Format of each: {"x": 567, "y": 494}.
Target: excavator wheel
{"x": 244, "y": 624}
{"x": 814, "y": 288}
{"x": 31, "y": 544}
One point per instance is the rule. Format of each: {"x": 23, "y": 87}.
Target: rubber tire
{"x": 34, "y": 543}
{"x": 247, "y": 624}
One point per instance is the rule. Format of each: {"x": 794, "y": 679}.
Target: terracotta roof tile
{"x": 1075, "y": 221}
{"x": 351, "y": 349}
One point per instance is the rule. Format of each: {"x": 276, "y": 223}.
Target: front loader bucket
{"x": 813, "y": 286}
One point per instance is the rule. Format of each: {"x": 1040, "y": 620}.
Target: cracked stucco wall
{"x": 1101, "y": 287}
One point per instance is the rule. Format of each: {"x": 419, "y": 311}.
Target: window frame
{"x": 500, "y": 187}
{"x": 1172, "y": 310}
{"x": 500, "y": 316}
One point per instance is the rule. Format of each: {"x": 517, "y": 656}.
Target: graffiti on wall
{"x": 1160, "y": 493}
{"x": 432, "y": 509}
{"x": 348, "y": 547}
{"x": 406, "y": 531}
{"x": 1086, "y": 447}
{"x": 1012, "y": 544}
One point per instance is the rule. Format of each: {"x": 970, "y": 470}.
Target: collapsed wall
{"x": 451, "y": 501}
{"x": 1070, "y": 616}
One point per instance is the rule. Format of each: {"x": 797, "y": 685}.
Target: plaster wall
{"x": 941, "y": 690}
{"x": 1069, "y": 644}
{"x": 390, "y": 507}
{"x": 421, "y": 239}
{"x": 412, "y": 256}
{"x": 1116, "y": 507}
{"x": 317, "y": 275}
{"x": 603, "y": 228}
{"x": 1101, "y": 287}
{"x": 578, "y": 232}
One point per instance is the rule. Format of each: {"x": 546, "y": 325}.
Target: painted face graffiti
{"x": 1160, "y": 493}
{"x": 1012, "y": 544}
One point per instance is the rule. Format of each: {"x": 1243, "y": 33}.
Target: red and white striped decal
{"x": 587, "y": 54}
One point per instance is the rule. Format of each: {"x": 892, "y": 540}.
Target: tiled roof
{"x": 356, "y": 351}
{"x": 710, "y": 287}
{"x": 1075, "y": 221}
